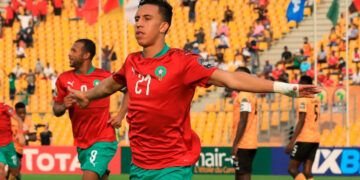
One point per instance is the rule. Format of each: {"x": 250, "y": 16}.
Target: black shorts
{"x": 303, "y": 151}
{"x": 246, "y": 157}
{"x": 20, "y": 156}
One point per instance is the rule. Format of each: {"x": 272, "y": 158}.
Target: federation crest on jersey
{"x": 160, "y": 72}
{"x": 96, "y": 82}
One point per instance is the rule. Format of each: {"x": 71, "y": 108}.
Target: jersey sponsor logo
{"x": 302, "y": 106}
{"x": 71, "y": 83}
{"x": 96, "y": 82}
{"x": 160, "y": 72}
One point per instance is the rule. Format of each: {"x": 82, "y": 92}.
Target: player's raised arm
{"x": 106, "y": 87}
{"x": 20, "y": 134}
{"x": 245, "y": 82}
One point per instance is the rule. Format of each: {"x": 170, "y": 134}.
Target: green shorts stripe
{"x": 173, "y": 173}
{"x": 8, "y": 156}
{"x": 97, "y": 157}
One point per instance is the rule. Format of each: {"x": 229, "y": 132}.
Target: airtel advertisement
{"x": 58, "y": 160}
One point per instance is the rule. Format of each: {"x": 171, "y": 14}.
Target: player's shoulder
{"x": 102, "y": 72}
{"x": 182, "y": 54}
{"x": 66, "y": 74}
{"x": 133, "y": 56}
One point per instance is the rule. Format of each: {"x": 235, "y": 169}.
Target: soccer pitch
{"x": 195, "y": 177}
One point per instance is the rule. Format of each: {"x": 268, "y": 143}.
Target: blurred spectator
{"x": 53, "y": 78}
{"x": 286, "y": 56}
{"x": 342, "y": 45}
{"x": 356, "y": 77}
{"x": 267, "y": 68}
{"x": 20, "y": 52}
{"x": 35, "y": 11}
{"x": 188, "y": 46}
{"x": 311, "y": 72}
{"x": 46, "y": 136}
{"x": 341, "y": 64}
{"x": 12, "y": 88}
{"x": 57, "y": 4}
{"x": 224, "y": 42}
{"x": 204, "y": 54}
{"x": 42, "y": 5}
{"x": 192, "y": 12}
{"x": 196, "y": 49}
{"x": 30, "y": 78}
{"x": 200, "y": 36}
{"x": 9, "y": 15}
{"x": 296, "y": 79}
{"x": 18, "y": 70}
{"x": 298, "y": 58}
{"x": 322, "y": 56}
{"x": 333, "y": 60}
{"x": 105, "y": 58}
{"x": 307, "y": 47}
{"x": 356, "y": 56}
{"x": 255, "y": 61}
{"x": 328, "y": 81}
{"x": 1, "y": 24}
{"x": 219, "y": 56}
{"x": 305, "y": 66}
{"x": 23, "y": 96}
{"x": 28, "y": 36}
{"x": 48, "y": 71}
{"x": 333, "y": 38}
{"x": 223, "y": 29}
{"x": 214, "y": 27}
{"x": 284, "y": 77}
{"x": 246, "y": 53}
{"x": 353, "y": 32}
{"x": 228, "y": 15}
{"x": 39, "y": 68}
{"x": 258, "y": 29}
{"x": 25, "y": 20}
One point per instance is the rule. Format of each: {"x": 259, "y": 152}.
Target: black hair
{"x": 243, "y": 69}
{"x": 89, "y": 46}
{"x": 164, "y": 7}
{"x": 305, "y": 80}
{"x": 19, "y": 105}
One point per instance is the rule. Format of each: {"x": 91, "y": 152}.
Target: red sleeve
{"x": 61, "y": 92}
{"x": 119, "y": 76}
{"x": 10, "y": 111}
{"x": 197, "y": 71}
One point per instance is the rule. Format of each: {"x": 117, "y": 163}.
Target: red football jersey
{"x": 160, "y": 93}
{"x": 6, "y": 112}
{"x": 89, "y": 124}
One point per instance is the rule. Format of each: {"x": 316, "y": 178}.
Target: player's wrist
{"x": 291, "y": 90}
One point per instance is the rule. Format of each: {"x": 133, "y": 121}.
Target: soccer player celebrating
{"x": 245, "y": 130}
{"x": 161, "y": 83}
{"x": 94, "y": 136}
{"x": 305, "y": 140}
{"x": 7, "y": 151}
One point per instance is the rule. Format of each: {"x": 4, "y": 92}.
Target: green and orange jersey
{"x": 309, "y": 132}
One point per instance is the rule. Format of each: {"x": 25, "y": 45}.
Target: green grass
{"x": 195, "y": 177}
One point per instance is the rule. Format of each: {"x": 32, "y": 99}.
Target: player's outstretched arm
{"x": 244, "y": 82}
{"x": 106, "y": 87}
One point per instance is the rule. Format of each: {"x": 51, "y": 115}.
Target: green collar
{"x": 165, "y": 49}
{"x": 92, "y": 69}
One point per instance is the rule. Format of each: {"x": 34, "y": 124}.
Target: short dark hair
{"x": 164, "y": 7}
{"x": 305, "y": 80}
{"x": 19, "y": 105}
{"x": 243, "y": 69}
{"x": 89, "y": 46}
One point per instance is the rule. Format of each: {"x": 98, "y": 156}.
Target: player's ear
{"x": 164, "y": 27}
{"x": 86, "y": 55}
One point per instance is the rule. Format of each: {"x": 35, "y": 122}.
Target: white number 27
{"x": 142, "y": 79}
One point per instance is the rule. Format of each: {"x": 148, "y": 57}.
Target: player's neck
{"x": 154, "y": 50}
{"x": 85, "y": 69}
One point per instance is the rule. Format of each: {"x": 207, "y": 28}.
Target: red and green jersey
{"x": 6, "y": 112}
{"x": 160, "y": 94}
{"x": 89, "y": 124}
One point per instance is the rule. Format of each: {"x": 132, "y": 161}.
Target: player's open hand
{"x": 308, "y": 91}
{"x": 115, "y": 121}
{"x": 68, "y": 101}
{"x": 78, "y": 97}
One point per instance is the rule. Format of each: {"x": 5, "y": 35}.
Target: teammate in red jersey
{"x": 94, "y": 136}
{"x": 161, "y": 83}
{"x": 7, "y": 150}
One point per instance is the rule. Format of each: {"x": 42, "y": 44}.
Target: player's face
{"x": 149, "y": 25}
{"x": 21, "y": 112}
{"x": 76, "y": 55}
